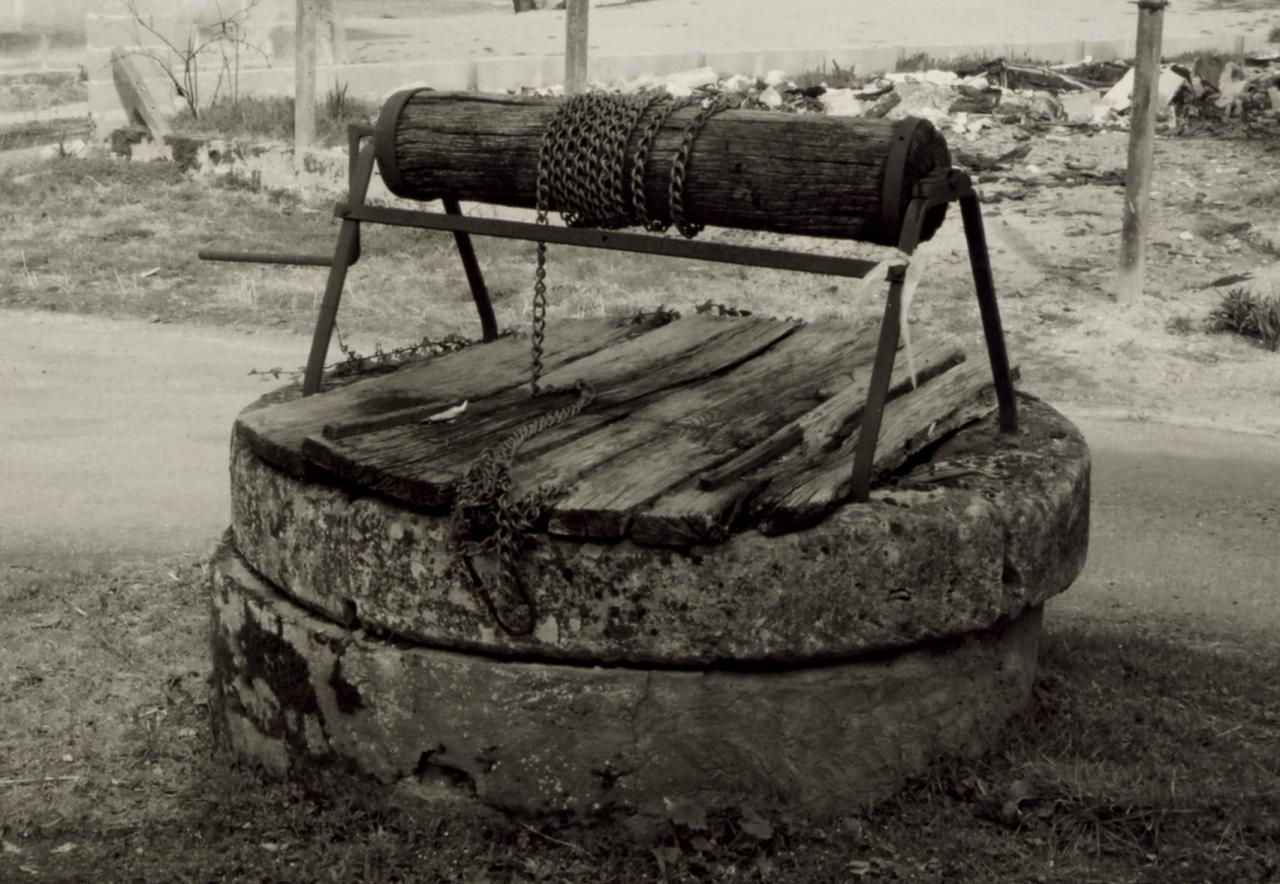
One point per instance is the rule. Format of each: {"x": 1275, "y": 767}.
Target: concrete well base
{"x": 293, "y": 688}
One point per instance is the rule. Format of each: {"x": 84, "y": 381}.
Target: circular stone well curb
{"x": 293, "y": 688}
{"x": 1005, "y": 530}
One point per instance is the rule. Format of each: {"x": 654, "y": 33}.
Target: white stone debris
{"x": 682, "y": 83}
{"x": 843, "y": 103}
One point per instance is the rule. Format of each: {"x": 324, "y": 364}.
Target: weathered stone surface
{"x": 1038, "y": 481}
{"x": 918, "y": 563}
{"x": 292, "y": 688}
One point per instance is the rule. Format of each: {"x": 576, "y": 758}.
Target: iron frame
{"x": 930, "y": 195}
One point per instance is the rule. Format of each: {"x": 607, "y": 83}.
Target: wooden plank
{"x": 275, "y": 433}
{"x": 674, "y": 438}
{"x": 693, "y": 513}
{"x": 419, "y": 463}
{"x": 824, "y": 426}
{"x": 135, "y": 94}
{"x": 911, "y": 422}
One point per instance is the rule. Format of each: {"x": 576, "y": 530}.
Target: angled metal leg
{"x": 475, "y": 279}
{"x": 344, "y": 254}
{"x": 980, "y": 261}
{"x": 878, "y": 390}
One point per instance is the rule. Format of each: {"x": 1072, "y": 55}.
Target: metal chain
{"x": 582, "y": 173}
{"x": 675, "y": 189}
{"x": 640, "y": 165}
{"x": 488, "y": 518}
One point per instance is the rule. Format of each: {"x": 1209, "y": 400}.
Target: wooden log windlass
{"x": 810, "y": 174}
{"x": 879, "y": 181}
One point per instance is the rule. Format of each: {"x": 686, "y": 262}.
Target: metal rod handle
{"x": 266, "y": 258}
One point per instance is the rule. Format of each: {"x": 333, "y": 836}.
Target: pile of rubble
{"x": 979, "y": 95}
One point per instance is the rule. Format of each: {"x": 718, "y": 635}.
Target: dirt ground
{"x": 745, "y": 25}
{"x": 1150, "y": 755}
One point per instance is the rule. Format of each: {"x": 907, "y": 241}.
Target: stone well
{"x": 817, "y": 669}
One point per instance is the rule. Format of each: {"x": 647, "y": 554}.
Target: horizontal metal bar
{"x": 611, "y": 239}
{"x": 266, "y": 258}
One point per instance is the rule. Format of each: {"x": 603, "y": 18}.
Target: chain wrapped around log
{"x": 809, "y": 174}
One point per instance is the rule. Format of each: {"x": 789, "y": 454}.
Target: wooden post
{"x": 575, "y": 46}
{"x": 304, "y": 89}
{"x": 1142, "y": 124}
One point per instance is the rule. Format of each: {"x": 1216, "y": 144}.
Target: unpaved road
{"x": 113, "y": 444}
{"x": 661, "y": 26}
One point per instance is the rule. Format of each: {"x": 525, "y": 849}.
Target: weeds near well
{"x": 1248, "y": 314}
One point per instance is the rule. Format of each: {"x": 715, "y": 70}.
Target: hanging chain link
{"x": 582, "y": 172}
{"x": 679, "y": 167}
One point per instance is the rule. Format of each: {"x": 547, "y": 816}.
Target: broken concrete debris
{"x": 977, "y": 95}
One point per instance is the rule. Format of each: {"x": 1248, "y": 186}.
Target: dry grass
{"x": 270, "y": 118}
{"x": 39, "y": 91}
{"x": 86, "y": 235}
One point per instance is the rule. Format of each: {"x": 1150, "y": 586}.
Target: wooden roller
{"x": 788, "y": 173}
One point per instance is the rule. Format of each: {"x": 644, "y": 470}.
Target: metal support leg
{"x": 878, "y": 390}
{"x": 980, "y": 260}
{"x": 475, "y": 279}
{"x": 344, "y": 255}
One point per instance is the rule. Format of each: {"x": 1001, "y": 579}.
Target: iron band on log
{"x": 788, "y": 173}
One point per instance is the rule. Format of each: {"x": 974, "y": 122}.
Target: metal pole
{"x": 575, "y": 46}
{"x": 864, "y": 455}
{"x": 475, "y": 278}
{"x": 344, "y": 255}
{"x": 992, "y": 329}
{"x": 1142, "y": 124}
{"x": 304, "y": 83}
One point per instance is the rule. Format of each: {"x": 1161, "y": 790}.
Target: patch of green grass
{"x": 271, "y": 117}
{"x": 836, "y": 78}
{"x": 966, "y": 64}
{"x": 1246, "y": 313}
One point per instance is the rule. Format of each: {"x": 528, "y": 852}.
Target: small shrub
{"x": 1273, "y": 36}
{"x": 1182, "y": 324}
{"x": 836, "y": 78}
{"x": 1250, "y": 315}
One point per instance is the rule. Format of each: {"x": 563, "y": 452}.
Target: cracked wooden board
{"x": 420, "y": 463}
{"x": 275, "y": 432}
{"x": 912, "y": 422}
{"x": 699, "y": 427}
{"x": 705, "y": 508}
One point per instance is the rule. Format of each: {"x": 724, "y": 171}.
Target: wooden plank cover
{"x": 911, "y": 422}
{"x": 420, "y": 463}
{"x": 276, "y": 433}
{"x": 705, "y": 508}
{"x": 700, "y": 426}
